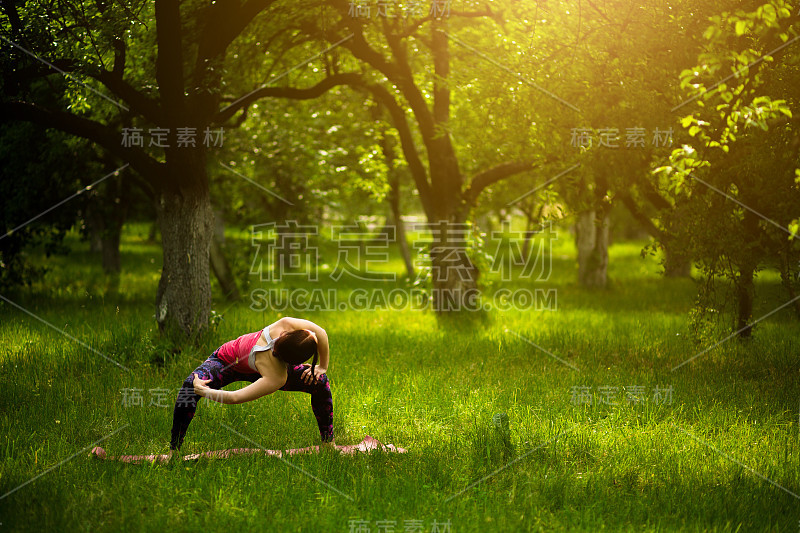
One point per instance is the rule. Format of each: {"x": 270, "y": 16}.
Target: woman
{"x": 270, "y": 359}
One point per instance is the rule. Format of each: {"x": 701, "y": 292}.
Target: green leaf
{"x": 768, "y": 14}
{"x": 711, "y": 33}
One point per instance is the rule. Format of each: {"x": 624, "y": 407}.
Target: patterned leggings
{"x": 222, "y": 374}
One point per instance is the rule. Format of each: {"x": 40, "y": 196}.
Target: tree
{"x": 190, "y": 42}
{"x": 40, "y": 169}
{"x": 393, "y": 54}
{"x": 739, "y": 171}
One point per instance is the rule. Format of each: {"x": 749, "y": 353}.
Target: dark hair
{"x": 295, "y": 347}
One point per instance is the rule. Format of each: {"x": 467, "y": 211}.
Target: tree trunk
{"x": 453, "y": 275}
{"x": 676, "y": 264}
{"x": 222, "y": 271}
{"x": 789, "y": 275}
{"x": 744, "y": 287}
{"x": 405, "y": 250}
{"x": 110, "y": 249}
{"x": 393, "y": 175}
{"x": 153, "y": 233}
{"x": 400, "y": 229}
{"x": 531, "y": 219}
{"x": 283, "y": 251}
{"x": 112, "y": 265}
{"x": 745, "y": 291}
{"x": 591, "y": 239}
{"x": 106, "y": 214}
{"x": 95, "y": 226}
{"x": 219, "y": 227}
{"x": 183, "y": 299}
{"x": 456, "y": 293}
{"x": 527, "y": 238}
{"x": 219, "y": 263}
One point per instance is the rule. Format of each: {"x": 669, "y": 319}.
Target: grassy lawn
{"x": 711, "y": 445}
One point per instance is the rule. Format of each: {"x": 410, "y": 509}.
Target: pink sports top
{"x": 241, "y": 352}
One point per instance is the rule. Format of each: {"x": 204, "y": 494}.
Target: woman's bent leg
{"x": 220, "y": 374}
{"x": 321, "y": 398}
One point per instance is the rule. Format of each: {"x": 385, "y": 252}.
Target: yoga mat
{"x": 366, "y": 445}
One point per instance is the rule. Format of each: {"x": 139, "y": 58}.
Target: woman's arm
{"x": 257, "y": 389}
{"x": 323, "y": 349}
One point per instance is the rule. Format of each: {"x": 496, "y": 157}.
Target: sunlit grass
{"x": 397, "y": 376}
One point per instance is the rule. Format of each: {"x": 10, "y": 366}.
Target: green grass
{"x": 397, "y": 376}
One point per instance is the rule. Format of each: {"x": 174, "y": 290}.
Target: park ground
{"x": 603, "y": 432}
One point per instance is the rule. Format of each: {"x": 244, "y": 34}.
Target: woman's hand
{"x": 308, "y": 378}
{"x": 200, "y": 385}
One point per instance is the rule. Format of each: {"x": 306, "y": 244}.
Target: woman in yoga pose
{"x": 270, "y": 359}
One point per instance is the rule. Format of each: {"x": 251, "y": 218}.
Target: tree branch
{"x": 10, "y": 9}
{"x": 497, "y": 173}
{"x": 398, "y": 73}
{"x": 138, "y": 102}
{"x": 639, "y": 216}
{"x": 410, "y": 30}
{"x": 652, "y": 195}
{"x": 142, "y": 163}
{"x": 169, "y": 62}
{"x": 225, "y": 20}
{"x": 410, "y": 151}
{"x": 292, "y": 93}
{"x": 111, "y": 79}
